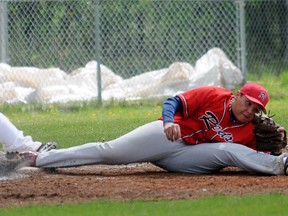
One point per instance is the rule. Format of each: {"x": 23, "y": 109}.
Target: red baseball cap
{"x": 256, "y": 93}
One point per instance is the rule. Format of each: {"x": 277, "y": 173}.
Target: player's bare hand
{"x": 172, "y": 131}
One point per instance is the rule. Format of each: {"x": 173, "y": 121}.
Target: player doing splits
{"x": 200, "y": 131}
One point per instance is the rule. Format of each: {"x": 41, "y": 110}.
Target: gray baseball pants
{"x": 148, "y": 143}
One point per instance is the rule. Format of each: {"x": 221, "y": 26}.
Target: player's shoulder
{"x": 220, "y": 88}
{"x": 215, "y": 90}
{"x": 207, "y": 92}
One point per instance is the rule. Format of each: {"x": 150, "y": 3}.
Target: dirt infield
{"x": 129, "y": 182}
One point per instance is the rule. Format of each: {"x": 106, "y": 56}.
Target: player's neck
{"x": 232, "y": 116}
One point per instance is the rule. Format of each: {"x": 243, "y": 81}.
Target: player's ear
{"x": 237, "y": 95}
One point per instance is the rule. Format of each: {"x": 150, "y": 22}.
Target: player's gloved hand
{"x": 269, "y": 136}
{"x": 172, "y": 131}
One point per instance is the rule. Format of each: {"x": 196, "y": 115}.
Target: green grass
{"x": 70, "y": 125}
{"x": 247, "y": 205}
{"x": 69, "y": 128}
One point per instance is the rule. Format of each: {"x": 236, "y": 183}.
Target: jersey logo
{"x": 211, "y": 121}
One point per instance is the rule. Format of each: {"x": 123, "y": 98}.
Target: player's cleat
{"x": 40, "y": 147}
{"x": 29, "y": 157}
{"x": 44, "y": 147}
{"x": 285, "y": 165}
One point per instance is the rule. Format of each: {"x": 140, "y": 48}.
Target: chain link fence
{"x": 267, "y": 36}
{"x": 135, "y": 36}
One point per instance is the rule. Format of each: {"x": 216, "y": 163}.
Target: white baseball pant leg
{"x": 144, "y": 144}
{"x": 211, "y": 157}
{"x": 148, "y": 143}
{"x": 12, "y": 138}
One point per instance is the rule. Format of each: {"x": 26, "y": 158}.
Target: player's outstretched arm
{"x": 169, "y": 108}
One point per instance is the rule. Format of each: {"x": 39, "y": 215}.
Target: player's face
{"x": 244, "y": 109}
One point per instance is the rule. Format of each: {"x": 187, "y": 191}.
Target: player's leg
{"x": 208, "y": 158}
{"x": 14, "y": 139}
{"x": 144, "y": 144}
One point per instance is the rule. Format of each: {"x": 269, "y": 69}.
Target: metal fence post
{"x": 243, "y": 39}
{"x": 3, "y": 32}
{"x": 98, "y": 50}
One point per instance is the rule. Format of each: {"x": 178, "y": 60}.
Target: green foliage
{"x": 144, "y": 35}
{"x": 135, "y": 36}
{"x": 266, "y": 37}
{"x": 38, "y": 29}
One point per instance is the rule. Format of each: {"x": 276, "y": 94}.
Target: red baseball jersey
{"x": 206, "y": 118}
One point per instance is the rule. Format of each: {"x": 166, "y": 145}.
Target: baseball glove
{"x": 267, "y": 136}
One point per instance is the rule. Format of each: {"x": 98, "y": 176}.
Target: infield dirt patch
{"x": 129, "y": 182}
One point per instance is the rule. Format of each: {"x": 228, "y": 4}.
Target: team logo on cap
{"x": 262, "y": 96}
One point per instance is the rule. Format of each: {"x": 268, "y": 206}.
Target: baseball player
{"x": 200, "y": 131}
{"x": 13, "y": 140}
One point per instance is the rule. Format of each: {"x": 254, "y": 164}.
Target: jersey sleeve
{"x": 170, "y": 107}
